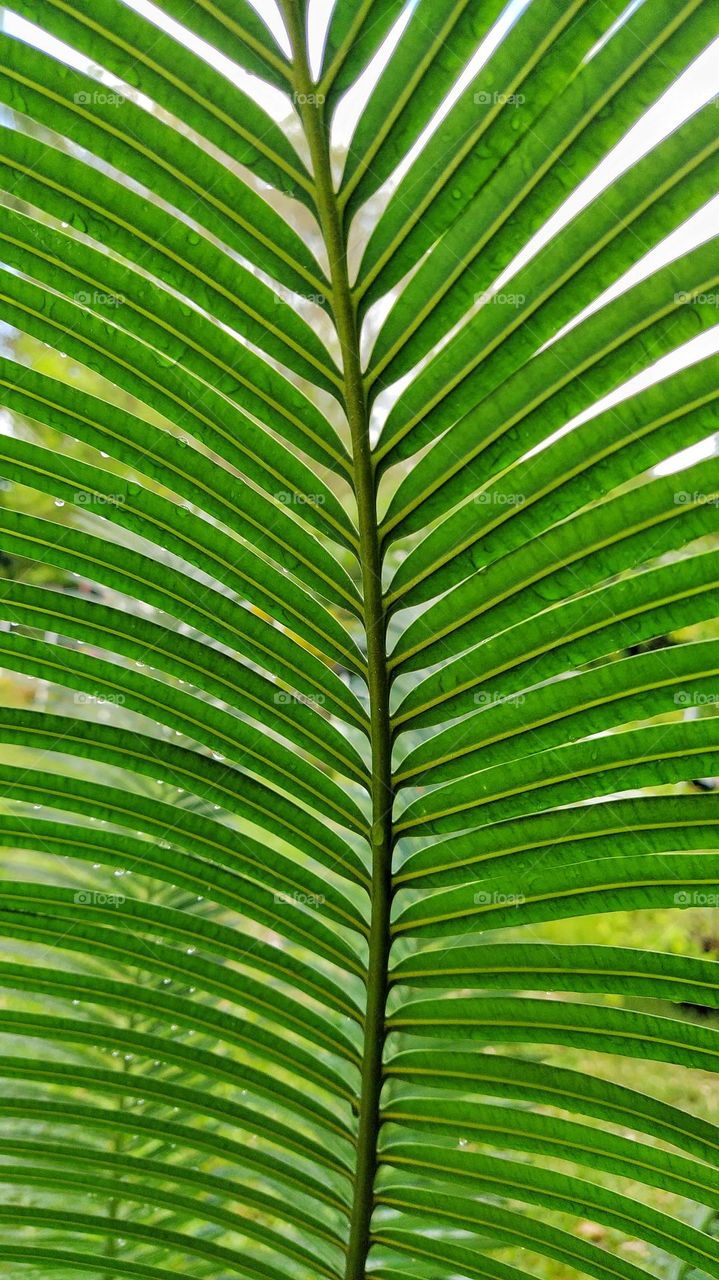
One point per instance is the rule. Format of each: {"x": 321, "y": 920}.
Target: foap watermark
{"x": 100, "y": 699}
{"x": 493, "y": 698}
{"x": 497, "y": 498}
{"x": 500, "y": 299}
{"x": 94, "y": 298}
{"x": 485, "y": 899}
{"x": 299, "y": 899}
{"x": 697, "y": 898}
{"x": 683, "y": 498}
{"x": 695, "y": 698}
{"x": 308, "y": 99}
{"x": 697, "y": 299}
{"x": 285, "y": 295}
{"x": 291, "y": 499}
{"x": 486, "y": 98}
{"x": 283, "y": 697}
{"x": 83, "y": 498}
{"x": 91, "y": 898}
{"x": 98, "y": 98}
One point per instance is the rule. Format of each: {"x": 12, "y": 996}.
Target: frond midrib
{"x": 370, "y": 556}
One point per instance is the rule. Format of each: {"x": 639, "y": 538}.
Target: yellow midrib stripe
{"x": 551, "y": 897}
{"x": 589, "y": 1205}
{"x": 182, "y": 179}
{"x": 471, "y": 142}
{"x": 149, "y": 648}
{"x": 179, "y": 601}
{"x": 580, "y": 468}
{"x": 152, "y": 760}
{"x": 599, "y": 593}
{"x": 626, "y": 531}
{"x": 249, "y": 750}
{"x": 606, "y": 700}
{"x": 204, "y": 551}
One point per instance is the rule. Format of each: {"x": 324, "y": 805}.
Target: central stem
{"x": 375, "y": 626}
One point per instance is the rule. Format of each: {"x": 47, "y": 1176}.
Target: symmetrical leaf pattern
{"x": 366, "y": 636}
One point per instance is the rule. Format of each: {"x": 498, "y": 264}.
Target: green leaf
{"x": 613, "y": 884}
{"x": 605, "y": 697}
{"x": 609, "y": 970}
{"x": 184, "y": 659}
{"x": 565, "y": 374}
{"x": 392, "y": 122}
{"x": 575, "y": 771}
{"x": 627, "y": 530}
{"x": 528, "y": 498}
{"x": 535, "y": 1187}
{"x": 616, "y": 615}
{"x": 124, "y": 135}
{"x": 650, "y": 824}
{"x": 358, "y": 648}
{"x": 200, "y": 774}
{"x": 214, "y": 613}
{"x": 355, "y": 33}
{"x": 656, "y": 45}
{"x": 180, "y": 81}
{"x": 529, "y": 1131}
{"x": 604, "y": 240}
{"x": 506, "y": 1021}
{"x": 579, "y": 1092}
{"x": 161, "y": 455}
